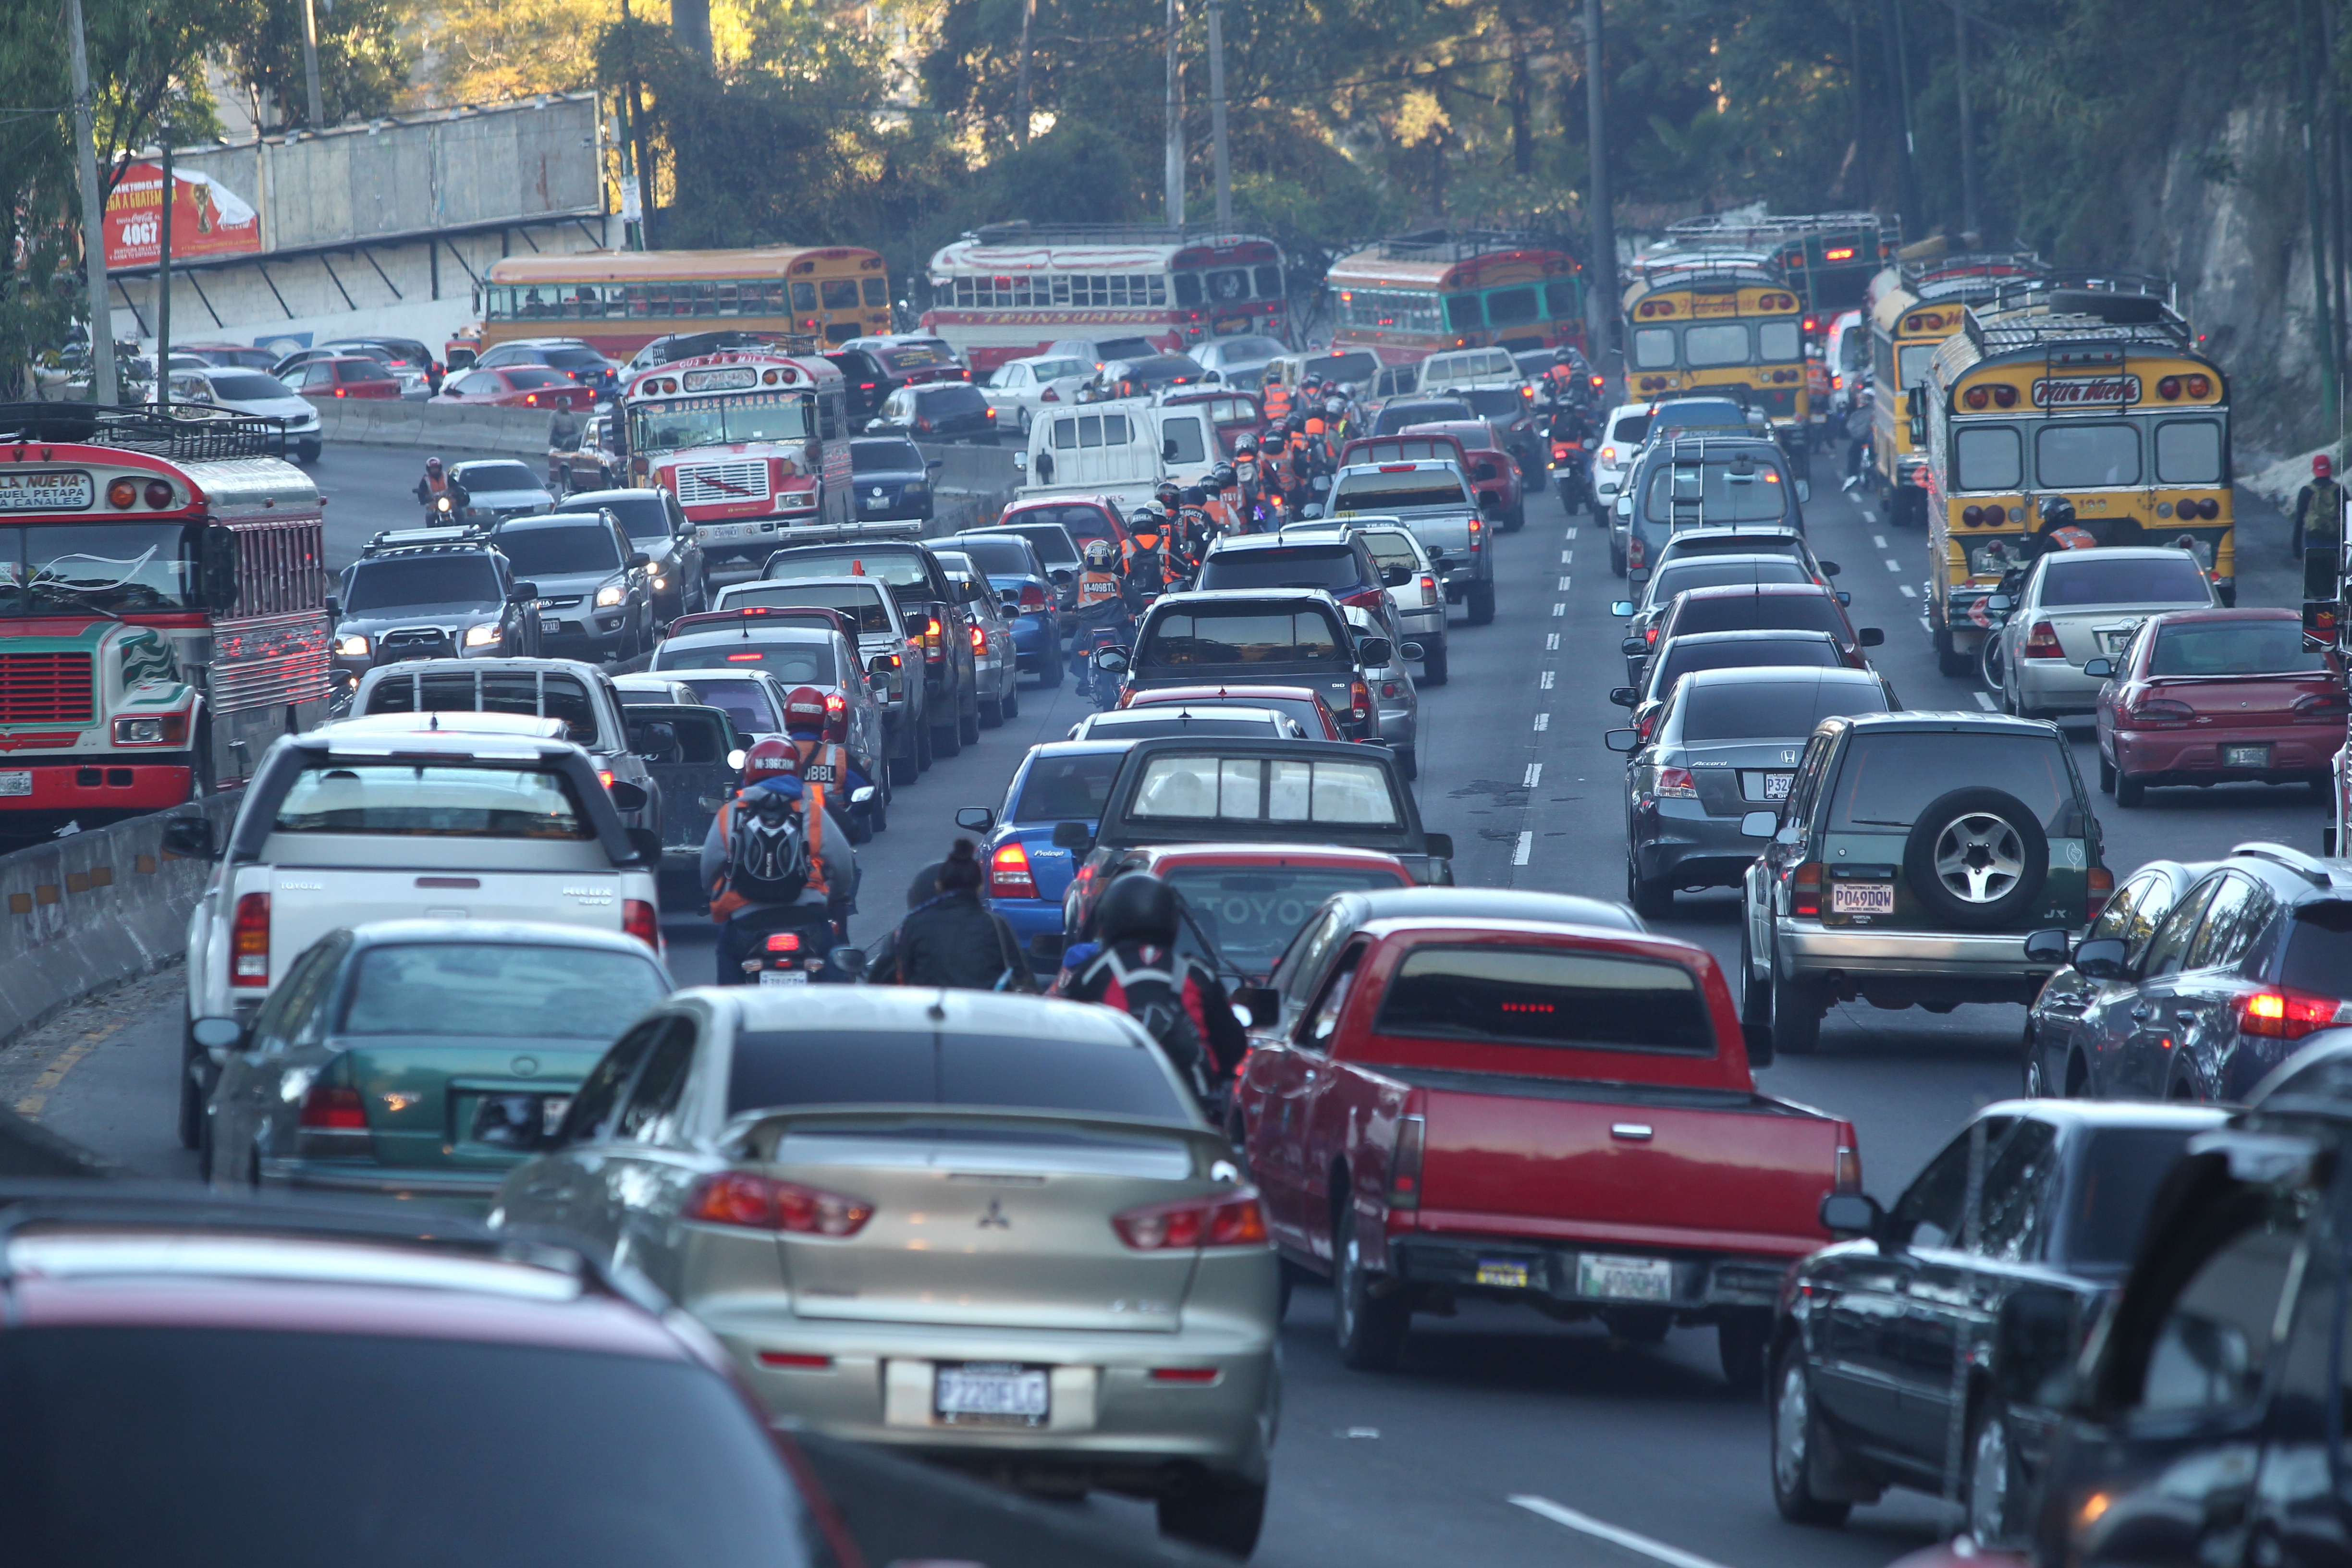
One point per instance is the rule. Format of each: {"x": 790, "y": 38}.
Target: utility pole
{"x": 1898, "y": 68}
{"x": 1971, "y": 235}
{"x": 1021, "y": 125}
{"x": 1175, "y": 116}
{"x": 2330, "y": 392}
{"x": 641, "y": 170}
{"x": 163, "y": 271}
{"x": 310, "y": 62}
{"x": 1217, "y": 114}
{"x": 1600, "y": 300}
{"x": 102, "y": 387}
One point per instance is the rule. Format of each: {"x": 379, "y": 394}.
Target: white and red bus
{"x": 751, "y": 442}
{"x": 1010, "y": 290}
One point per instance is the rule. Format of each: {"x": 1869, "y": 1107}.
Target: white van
{"x": 1470, "y": 367}
{"x": 1121, "y": 450}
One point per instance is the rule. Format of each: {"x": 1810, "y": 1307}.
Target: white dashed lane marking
{"x": 1909, "y": 592}
{"x": 1879, "y": 540}
{"x": 1534, "y": 775}
{"x": 1984, "y": 701}
{"x": 1559, "y": 610}
{"x": 1526, "y": 847}
{"x": 1585, "y": 1524}
{"x": 1545, "y": 684}
{"x": 1543, "y": 721}
{"x": 1563, "y": 587}
{"x": 1551, "y": 643}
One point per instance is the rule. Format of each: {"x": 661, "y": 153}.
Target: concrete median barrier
{"x": 436, "y": 427}
{"x": 94, "y": 909}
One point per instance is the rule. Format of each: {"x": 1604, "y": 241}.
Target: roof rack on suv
{"x": 212, "y": 436}
{"x": 2319, "y": 873}
{"x": 467, "y": 535}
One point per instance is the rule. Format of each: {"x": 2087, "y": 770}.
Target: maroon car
{"x": 2217, "y": 696}
{"x": 518, "y": 386}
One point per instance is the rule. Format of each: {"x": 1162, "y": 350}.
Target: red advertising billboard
{"x": 207, "y": 218}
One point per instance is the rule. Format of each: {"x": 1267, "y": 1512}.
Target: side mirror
{"x": 1075, "y": 837}
{"x": 626, "y": 796}
{"x": 638, "y": 558}
{"x": 1638, "y": 576}
{"x": 1021, "y": 464}
{"x": 2039, "y": 1335}
{"x": 218, "y": 1035}
{"x": 2103, "y": 958}
{"x": 523, "y": 592}
{"x": 1063, "y": 577}
{"x": 880, "y": 666}
{"x": 1262, "y": 1004}
{"x": 1111, "y": 660}
{"x": 334, "y": 610}
{"x": 1373, "y": 653}
{"x": 1621, "y": 607}
{"x": 934, "y": 462}
{"x": 1413, "y": 650}
{"x": 1311, "y": 511}
{"x": 1804, "y": 489}
{"x": 1436, "y": 553}
{"x": 648, "y": 846}
{"x": 1868, "y": 637}
{"x": 189, "y": 837}
{"x": 2103, "y": 668}
{"x": 1623, "y": 695}
{"x": 1829, "y": 568}
{"x": 1760, "y": 824}
{"x": 1049, "y": 945}
{"x": 975, "y": 819}
{"x": 1622, "y": 739}
{"x": 850, "y": 961}
{"x": 1633, "y": 648}
{"x": 1998, "y": 603}
{"x": 1849, "y": 1215}
{"x": 1843, "y": 597}
{"x": 1440, "y": 845}
{"x": 2048, "y": 947}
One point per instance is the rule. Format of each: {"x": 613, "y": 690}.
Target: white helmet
{"x": 1100, "y": 555}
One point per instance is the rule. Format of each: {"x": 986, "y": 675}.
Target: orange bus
{"x": 1408, "y": 298}
{"x": 617, "y": 301}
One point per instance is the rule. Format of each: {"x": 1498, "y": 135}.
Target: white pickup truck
{"x": 1120, "y": 449}
{"x": 362, "y": 822}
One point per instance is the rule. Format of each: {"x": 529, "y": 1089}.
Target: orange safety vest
{"x": 824, "y": 766}
{"x": 1096, "y": 588}
{"x": 1274, "y": 400}
{"x": 724, "y": 899}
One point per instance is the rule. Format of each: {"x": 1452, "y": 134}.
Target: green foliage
{"x": 362, "y": 69}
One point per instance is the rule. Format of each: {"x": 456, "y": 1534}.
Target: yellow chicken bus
{"x": 1727, "y": 320}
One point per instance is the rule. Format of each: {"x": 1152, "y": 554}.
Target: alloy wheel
{"x": 1979, "y": 857}
{"x": 1791, "y": 1412}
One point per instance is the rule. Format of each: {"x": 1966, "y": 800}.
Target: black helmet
{"x": 1221, "y": 477}
{"x": 1138, "y": 907}
{"x": 1167, "y": 492}
{"x": 1563, "y": 356}
{"x": 2057, "y": 513}
{"x": 926, "y": 885}
{"x": 1191, "y": 495}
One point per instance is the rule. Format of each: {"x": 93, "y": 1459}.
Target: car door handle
{"x": 1631, "y": 1131}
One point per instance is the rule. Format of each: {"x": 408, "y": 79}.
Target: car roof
{"x": 2097, "y": 1113}
{"x": 542, "y": 520}
{"x": 1931, "y": 721}
{"x": 1233, "y": 595}
{"x": 505, "y": 933}
{"x": 1755, "y": 634}
{"x": 1756, "y": 590}
{"x": 751, "y": 632}
{"x": 1703, "y": 537}
{"x": 1724, "y": 558}
{"x": 1247, "y": 544}
{"x": 1236, "y": 691}
{"x": 1119, "y": 717}
{"x": 1497, "y": 903}
{"x": 334, "y": 739}
{"x": 1772, "y": 674}
{"x": 460, "y": 720}
{"x": 826, "y": 1008}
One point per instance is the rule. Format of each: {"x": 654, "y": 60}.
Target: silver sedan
{"x": 2081, "y": 604}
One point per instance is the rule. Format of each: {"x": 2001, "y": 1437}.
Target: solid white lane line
{"x": 1551, "y": 643}
{"x": 1984, "y": 701}
{"x": 1543, "y": 721}
{"x": 1526, "y": 847}
{"x": 1560, "y": 610}
{"x": 1545, "y": 684}
{"x": 1675, "y": 1556}
{"x": 1534, "y": 775}
{"x": 1879, "y": 540}
{"x": 1907, "y": 591}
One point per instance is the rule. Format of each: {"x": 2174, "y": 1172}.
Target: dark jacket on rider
{"x": 954, "y": 939}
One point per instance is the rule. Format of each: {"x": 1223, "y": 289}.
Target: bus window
{"x": 1269, "y": 282}
{"x": 840, "y": 293}
{"x": 1915, "y": 362}
{"x": 1560, "y": 299}
{"x": 2068, "y": 457}
{"x": 803, "y": 296}
{"x": 1653, "y": 348}
{"x": 1776, "y": 342}
{"x": 1988, "y": 457}
{"x": 877, "y": 290}
{"x": 1462, "y": 313}
{"x": 1188, "y": 289}
{"x": 2189, "y": 452}
{"x": 1510, "y": 306}
{"x": 1721, "y": 342}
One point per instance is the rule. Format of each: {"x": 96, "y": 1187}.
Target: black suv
{"x": 2251, "y": 959}
{"x": 658, "y": 525}
{"x": 1914, "y": 856}
{"x": 932, "y": 609}
{"x": 595, "y": 588}
{"x": 428, "y": 592}
{"x": 943, "y": 411}
{"x": 891, "y": 478}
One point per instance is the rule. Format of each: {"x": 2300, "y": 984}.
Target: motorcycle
{"x": 1099, "y": 687}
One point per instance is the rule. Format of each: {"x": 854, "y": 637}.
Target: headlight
{"x": 482, "y": 635}
{"x": 351, "y": 647}
{"x": 661, "y": 585}
{"x": 609, "y": 594}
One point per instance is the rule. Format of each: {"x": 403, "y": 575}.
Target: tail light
{"x": 934, "y": 646}
{"x": 1849, "y": 1169}
{"x": 1032, "y": 597}
{"x": 638, "y": 919}
{"x": 334, "y": 1107}
{"x": 2161, "y": 712}
{"x": 2102, "y": 888}
{"x": 836, "y": 704}
{"x": 1559, "y": 450}
{"x": 1008, "y": 873}
{"x": 1609, "y": 455}
{"x": 753, "y": 1201}
{"x": 1228, "y": 1219}
{"x": 1359, "y": 701}
{"x": 783, "y": 941}
{"x": 2041, "y": 642}
{"x": 1650, "y": 634}
{"x": 1644, "y": 725}
{"x": 1633, "y": 554}
{"x": 991, "y": 412}
{"x": 1049, "y": 395}
{"x": 1805, "y": 889}
{"x": 1428, "y": 590}
{"x": 604, "y": 777}
{"x": 922, "y": 422}
{"x": 248, "y": 943}
{"x": 1477, "y": 527}
{"x": 980, "y": 640}
{"x": 531, "y": 398}
{"x": 2320, "y": 707}
{"x": 2282, "y": 1015}
{"x": 1677, "y": 782}
{"x": 1404, "y": 1164}
{"x": 342, "y": 392}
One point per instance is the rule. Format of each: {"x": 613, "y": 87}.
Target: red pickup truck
{"x": 1439, "y": 1106}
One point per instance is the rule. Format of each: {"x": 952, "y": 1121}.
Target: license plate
{"x": 1862, "y": 897}
{"x": 1769, "y": 787}
{"x": 2116, "y": 641}
{"x": 2232, "y": 757}
{"x": 1625, "y": 1279}
{"x": 873, "y": 500}
{"x": 1510, "y": 1273}
{"x": 992, "y": 1394}
{"x": 15, "y": 784}
{"x": 783, "y": 978}
{"x": 818, "y": 772}
{"x": 709, "y": 530}
{"x": 519, "y": 1120}
{"x": 552, "y": 628}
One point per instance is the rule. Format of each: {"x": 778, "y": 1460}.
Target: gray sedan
{"x": 1726, "y": 743}
{"x": 2081, "y": 604}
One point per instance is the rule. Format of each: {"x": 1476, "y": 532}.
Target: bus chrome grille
{"x": 45, "y": 689}
{"x": 718, "y": 484}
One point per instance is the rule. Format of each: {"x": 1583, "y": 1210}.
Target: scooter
{"x": 1100, "y": 686}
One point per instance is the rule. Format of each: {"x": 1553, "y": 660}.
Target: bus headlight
{"x": 168, "y": 730}
{"x": 482, "y": 635}
{"x": 352, "y": 647}
{"x": 609, "y": 594}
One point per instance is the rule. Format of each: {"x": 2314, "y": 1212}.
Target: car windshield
{"x": 2085, "y": 579}
{"x": 908, "y": 568}
{"x": 913, "y": 356}
{"x": 1754, "y": 612}
{"x": 678, "y": 422}
{"x": 544, "y": 550}
{"x": 1771, "y": 711}
{"x": 431, "y": 800}
{"x": 1395, "y": 416}
{"x": 244, "y": 387}
{"x": 1888, "y": 780}
{"x": 489, "y": 478}
{"x": 876, "y": 1066}
{"x": 1331, "y": 566}
{"x": 402, "y": 581}
{"x": 2319, "y": 952}
{"x": 76, "y": 568}
{"x": 999, "y": 557}
{"x": 1378, "y": 492}
{"x": 1542, "y": 996}
{"x": 793, "y": 662}
{"x": 1081, "y": 522}
{"x": 1495, "y": 402}
{"x": 493, "y": 990}
{"x": 1251, "y": 913}
{"x": 1143, "y": 723}
{"x": 643, "y": 513}
{"x": 745, "y": 701}
{"x": 885, "y": 457}
{"x": 1265, "y": 789}
{"x": 1730, "y": 491}
{"x": 1682, "y": 577}
{"x": 2120, "y": 1173}
{"x": 861, "y": 604}
{"x": 2235, "y": 648}
{"x": 1241, "y": 634}
{"x": 564, "y": 1458}
{"x": 1684, "y": 655}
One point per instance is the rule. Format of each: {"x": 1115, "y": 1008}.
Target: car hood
{"x": 552, "y": 585}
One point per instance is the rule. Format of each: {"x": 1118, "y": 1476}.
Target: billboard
{"x": 209, "y": 218}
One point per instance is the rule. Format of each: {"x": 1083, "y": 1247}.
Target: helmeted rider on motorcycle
{"x": 1102, "y": 602}
{"x": 1179, "y": 1000}
{"x": 818, "y": 727}
{"x": 776, "y": 864}
{"x": 437, "y": 486}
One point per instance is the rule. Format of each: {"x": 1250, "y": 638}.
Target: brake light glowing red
{"x": 2284, "y": 1015}
{"x": 250, "y": 941}
{"x": 1008, "y": 873}
{"x": 1229, "y": 1219}
{"x": 2102, "y": 888}
{"x": 1032, "y": 597}
{"x": 638, "y": 919}
{"x": 334, "y": 1107}
{"x": 783, "y": 941}
{"x": 755, "y": 1201}
{"x": 1805, "y": 889}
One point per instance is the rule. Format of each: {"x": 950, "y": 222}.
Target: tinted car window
{"x": 862, "y": 606}
{"x": 1251, "y": 913}
{"x": 1759, "y": 710}
{"x": 1755, "y": 612}
{"x": 1331, "y": 566}
{"x": 1495, "y": 403}
{"x": 886, "y": 1067}
{"x": 1395, "y": 416}
{"x": 2142, "y": 581}
{"x": 998, "y": 557}
{"x": 792, "y": 663}
{"x": 246, "y": 386}
{"x": 1143, "y": 725}
{"x": 1715, "y": 492}
{"x": 1888, "y": 780}
{"x": 552, "y": 552}
{"x": 1683, "y": 655}
{"x": 900, "y": 568}
{"x": 2013, "y": 1211}
{"x": 422, "y": 580}
{"x": 1268, "y": 790}
{"x": 885, "y": 457}
{"x": 2235, "y": 648}
{"x": 643, "y": 513}
{"x": 745, "y": 702}
{"x": 916, "y": 356}
{"x": 2114, "y": 1187}
{"x": 1241, "y": 634}
{"x": 1528, "y": 997}
{"x": 2319, "y": 949}
{"x": 1065, "y": 788}
{"x": 946, "y": 401}
{"x": 497, "y": 990}
{"x": 1397, "y": 493}
{"x": 1634, "y": 427}
{"x": 1682, "y": 577}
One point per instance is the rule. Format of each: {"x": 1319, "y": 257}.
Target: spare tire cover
{"x": 1976, "y": 857}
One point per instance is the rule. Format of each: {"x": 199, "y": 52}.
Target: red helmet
{"x": 768, "y": 759}
{"x": 836, "y": 717}
{"x": 803, "y": 709}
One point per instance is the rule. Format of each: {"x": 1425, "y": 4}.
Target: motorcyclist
{"x": 1101, "y": 601}
{"x": 436, "y": 487}
{"x": 950, "y": 937}
{"x": 770, "y": 863}
{"x": 1179, "y": 1000}
{"x": 1225, "y": 502}
{"x": 1147, "y": 555}
{"x": 1194, "y": 531}
{"x": 817, "y": 725}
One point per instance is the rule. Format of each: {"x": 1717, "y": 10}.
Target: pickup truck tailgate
{"x": 1628, "y": 1164}
{"x": 306, "y": 904}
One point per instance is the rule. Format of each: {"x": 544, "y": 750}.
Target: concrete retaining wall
{"x": 92, "y": 910}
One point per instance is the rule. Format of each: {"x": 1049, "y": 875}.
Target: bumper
{"x": 1677, "y": 843}
{"x": 1901, "y": 967}
{"x": 96, "y": 783}
{"x": 1106, "y": 1413}
{"x": 2162, "y": 756}
{"x": 384, "y": 1180}
{"x": 2058, "y": 684}
{"x": 596, "y": 638}
{"x": 1703, "y": 1284}
{"x": 1396, "y": 727}
{"x": 1031, "y": 918}
{"x": 1037, "y": 641}
{"x": 1458, "y": 580}
{"x": 1423, "y": 626}
{"x": 900, "y": 509}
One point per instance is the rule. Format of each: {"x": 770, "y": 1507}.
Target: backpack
{"x": 765, "y": 864}
{"x": 1144, "y": 568}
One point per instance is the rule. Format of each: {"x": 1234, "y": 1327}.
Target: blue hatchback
{"x": 1061, "y": 781}
{"x": 1031, "y": 604}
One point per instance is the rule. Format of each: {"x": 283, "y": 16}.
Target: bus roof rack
{"x": 212, "y": 437}
{"x": 1017, "y": 231}
{"x": 1683, "y": 267}
{"x": 1984, "y": 271}
{"x": 2118, "y": 310}
{"x": 1463, "y": 244}
{"x": 677, "y": 346}
{"x": 1773, "y": 229}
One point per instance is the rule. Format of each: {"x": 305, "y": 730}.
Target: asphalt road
{"x": 1504, "y": 1439}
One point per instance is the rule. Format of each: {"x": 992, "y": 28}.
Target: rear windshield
{"x": 916, "y": 356}
{"x": 957, "y": 397}
{"x": 1081, "y": 523}
{"x": 545, "y": 551}
{"x": 643, "y": 514}
{"x": 876, "y": 1066}
{"x": 1252, "y": 912}
{"x": 2235, "y": 648}
{"x": 1067, "y": 788}
{"x": 1398, "y": 492}
{"x": 1495, "y": 403}
{"x": 1684, "y": 656}
{"x": 1634, "y": 427}
{"x": 1055, "y": 545}
{"x": 275, "y": 1445}
{"x": 997, "y": 557}
{"x": 1886, "y": 781}
{"x": 1306, "y": 711}
{"x": 533, "y": 378}
{"x": 431, "y": 800}
{"x": 550, "y": 695}
{"x": 1148, "y": 723}
{"x": 885, "y": 457}
{"x": 792, "y": 663}
{"x": 1757, "y": 612}
{"x": 1409, "y": 448}
{"x": 498, "y": 991}
{"x": 1265, "y": 789}
{"x": 1241, "y": 634}
{"x": 1682, "y": 577}
{"x": 1715, "y": 493}
{"x": 2319, "y": 952}
{"x": 2121, "y": 1170}
{"x": 1772, "y": 710}
{"x": 247, "y": 387}
{"x": 1109, "y": 349}
{"x": 1697, "y": 414}
{"x": 864, "y": 606}
{"x": 2087, "y": 580}
{"x": 1390, "y": 548}
{"x": 424, "y": 580}
{"x": 745, "y": 702}
{"x": 1331, "y": 566}
{"x": 497, "y": 476}
{"x": 1397, "y": 416}
{"x": 1526, "y": 997}
{"x": 900, "y": 568}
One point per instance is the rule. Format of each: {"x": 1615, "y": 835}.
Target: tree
{"x": 363, "y": 67}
